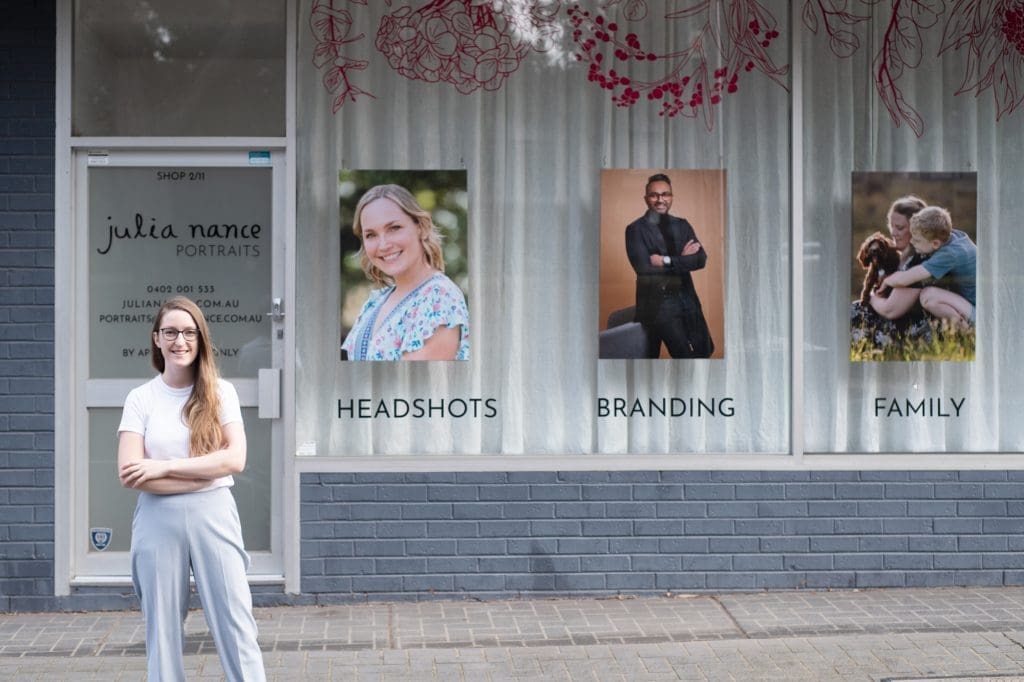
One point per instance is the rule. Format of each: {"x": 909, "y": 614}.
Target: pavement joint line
{"x": 1015, "y": 641}
{"x": 965, "y": 677}
{"x": 391, "y": 626}
{"x": 205, "y": 645}
{"x": 732, "y": 618}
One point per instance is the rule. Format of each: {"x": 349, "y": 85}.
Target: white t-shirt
{"x": 154, "y": 410}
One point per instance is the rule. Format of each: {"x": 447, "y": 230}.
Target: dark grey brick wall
{"x": 510, "y": 534}
{"x": 26, "y": 302}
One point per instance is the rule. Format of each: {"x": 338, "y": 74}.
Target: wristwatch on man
{"x": 666, "y": 261}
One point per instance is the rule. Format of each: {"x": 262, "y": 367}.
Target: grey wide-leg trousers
{"x": 201, "y": 531}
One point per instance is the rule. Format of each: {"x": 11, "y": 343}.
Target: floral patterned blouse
{"x": 436, "y": 302}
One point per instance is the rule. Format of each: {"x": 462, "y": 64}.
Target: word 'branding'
{"x": 666, "y": 407}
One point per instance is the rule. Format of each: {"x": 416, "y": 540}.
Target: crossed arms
{"x": 648, "y": 262}
{"x": 185, "y": 475}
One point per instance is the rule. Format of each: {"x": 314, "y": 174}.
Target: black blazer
{"x": 653, "y": 283}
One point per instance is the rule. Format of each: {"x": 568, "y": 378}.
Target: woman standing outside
{"x": 418, "y": 313}
{"x": 180, "y": 440}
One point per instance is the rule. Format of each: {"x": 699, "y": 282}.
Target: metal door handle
{"x": 276, "y": 310}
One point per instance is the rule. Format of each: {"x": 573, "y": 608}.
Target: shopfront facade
{"x": 217, "y": 151}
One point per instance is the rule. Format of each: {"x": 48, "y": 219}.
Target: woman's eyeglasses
{"x": 170, "y": 334}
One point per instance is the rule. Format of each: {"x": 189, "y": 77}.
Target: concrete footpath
{"x": 897, "y": 634}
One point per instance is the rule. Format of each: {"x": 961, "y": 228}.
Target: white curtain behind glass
{"x": 533, "y": 151}
{"x": 847, "y": 128}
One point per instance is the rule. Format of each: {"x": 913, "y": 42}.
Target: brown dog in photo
{"x": 879, "y": 256}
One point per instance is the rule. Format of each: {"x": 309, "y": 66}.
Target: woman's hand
{"x": 134, "y": 474}
{"x": 898, "y": 303}
{"x": 130, "y": 453}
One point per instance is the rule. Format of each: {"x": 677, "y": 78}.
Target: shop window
{"x": 179, "y": 68}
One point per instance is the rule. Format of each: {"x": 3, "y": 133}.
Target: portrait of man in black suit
{"x": 663, "y": 250}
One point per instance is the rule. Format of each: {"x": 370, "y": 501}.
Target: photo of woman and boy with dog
{"x": 914, "y": 271}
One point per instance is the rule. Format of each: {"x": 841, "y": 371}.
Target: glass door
{"x": 148, "y": 226}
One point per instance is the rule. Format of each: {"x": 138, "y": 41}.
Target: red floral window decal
{"x": 331, "y": 24}
{"x": 696, "y": 78}
{"x": 469, "y": 44}
{"x": 478, "y": 44}
{"x": 474, "y": 45}
{"x": 991, "y": 33}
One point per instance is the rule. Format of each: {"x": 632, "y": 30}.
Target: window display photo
{"x": 404, "y": 265}
{"x": 662, "y": 264}
{"x": 914, "y": 273}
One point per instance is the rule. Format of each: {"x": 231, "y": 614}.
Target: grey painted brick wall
{"x": 390, "y": 536}
{"x": 26, "y": 302}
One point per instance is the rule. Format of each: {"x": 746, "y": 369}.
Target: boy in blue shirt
{"x": 953, "y": 257}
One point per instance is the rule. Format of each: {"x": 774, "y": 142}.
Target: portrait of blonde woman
{"x": 413, "y": 311}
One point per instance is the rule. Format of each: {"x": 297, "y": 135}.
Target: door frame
{"x": 113, "y": 567}
{"x": 67, "y": 357}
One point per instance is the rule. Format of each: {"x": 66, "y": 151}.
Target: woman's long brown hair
{"x": 202, "y": 409}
